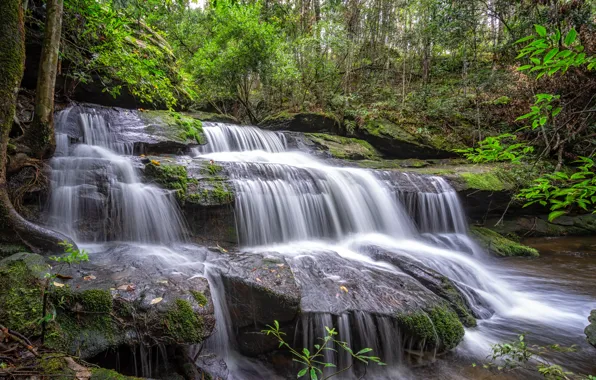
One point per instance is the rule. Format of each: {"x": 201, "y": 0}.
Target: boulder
{"x": 394, "y": 141}
{"x": 122, "y": 296}
{"x": 344, "y": 147}
{"x": 302, "y": 122}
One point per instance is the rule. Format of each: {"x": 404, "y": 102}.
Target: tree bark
{"x": 40, "y": 135}
{"x": 12, "y": 63}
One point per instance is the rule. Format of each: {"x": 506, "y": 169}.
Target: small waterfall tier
{"x": 97, "y": 194}
{"x": 232, "y": 138}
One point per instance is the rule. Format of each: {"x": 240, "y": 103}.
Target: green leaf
{"x": 313, "y": 374}
{"x": 541, "y": 30}
{"x": 550, "y": 55}
{"x": 570, "y": 38}
{"x": 302, "y": 373}
{"x": 555, "y": 214}
{"x": 524, "y": 67}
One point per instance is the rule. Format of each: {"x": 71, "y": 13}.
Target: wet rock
{"x": 590, "y": 330}
{"x": 432, "y": 280}
{"x": 124, "y": 296}
{"x": 499, "y": 245}
{"x": 204, "y": 192}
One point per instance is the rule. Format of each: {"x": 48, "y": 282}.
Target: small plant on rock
{"x": 312, "y": 362}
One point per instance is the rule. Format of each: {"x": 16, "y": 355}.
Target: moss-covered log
{"x": 14, "y": 227}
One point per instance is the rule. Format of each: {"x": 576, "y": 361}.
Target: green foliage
{"x": 543, "y": 110}
{"x": 548, "y": 54}
{"x": 105, "y": 44}
{"x": 562, "y": 192}
{"x": 312, "y": 361}
{"x": 72, "y": 255}
{"x": 518, "y": 354}
{"x": 493, "y": 149}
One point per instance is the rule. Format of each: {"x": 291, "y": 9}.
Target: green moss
{"x": 199, "y": 297}
{"x": 170, "y": 176}
{"x": 487, "y": 181}
{"x": 96, "y": 300}
{"x": 345, "y": 147}
{"x": 457, "y": 303}
{"x": 178, "y": 127}
{"x": 55, "y": 367}
{"x": 20, "y": 298}
{"x": 108, "y": 374}
{"x": 500, "y": 245}
{"x": 211, "y": 169}
{"x": 183, "y": 324}
{"x": 438, "y": 327}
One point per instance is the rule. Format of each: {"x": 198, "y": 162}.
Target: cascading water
{"x": 231, "y": 138}
{"x": 335, "y": 224}
{"x": 97, "y": 194}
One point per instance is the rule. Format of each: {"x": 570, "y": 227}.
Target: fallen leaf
{"x": 63, "y": 277}
{"x": 344, "y": 288}
{"x": 165, "y": 282}
{"x": 281, "y": 265}
{"x": 89, "y": 278}
{"x": 127, "y": 287}
{"x": 58, "y": 284}
{"x": 156, "y": 300}
{"x": 258, "y": 279}
{"x": 155, "y": 162}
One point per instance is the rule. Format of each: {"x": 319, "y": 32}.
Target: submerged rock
{"x": 590, "y": 330}
{"x": 499, "y": 245}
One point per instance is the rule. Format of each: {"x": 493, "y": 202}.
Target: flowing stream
{"x": 336, "y": 227}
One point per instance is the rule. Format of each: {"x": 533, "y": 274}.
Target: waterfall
{"x": 353, "y": 228}
{"x": 97, "y": 194}
{"x": 231, "y": 138}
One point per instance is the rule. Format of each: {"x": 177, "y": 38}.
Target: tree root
{"x": 39, "y": 239}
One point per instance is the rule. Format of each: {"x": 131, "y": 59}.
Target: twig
{"x": 17, "y": 338}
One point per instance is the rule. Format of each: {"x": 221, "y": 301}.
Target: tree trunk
{"x": 40, "y": 135}
{"x": 12, "y": 61}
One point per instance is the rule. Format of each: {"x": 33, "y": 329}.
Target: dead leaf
{"x": 89, "y": 278}
{"x": 156, "y": 300}
{"x": 81, "y": 372}
{"x": 63, "y": 277}
{"x": 344, "y": 288}
{"x": 155, "y": 162}
{"x": 258, "y": 280}
{"x": 58, "y": 284}
{"x": 165, "y": 282}
{"x": 127, "y": 287}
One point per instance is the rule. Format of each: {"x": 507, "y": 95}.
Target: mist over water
{"x": 335, "y": 226}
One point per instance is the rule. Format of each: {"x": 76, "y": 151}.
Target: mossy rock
{"x": 108, "y": 374}
{"x": 486, "y": 181}
{"x": 395, "y": 141}
{"x": 590, "y": 330}
{"x": 168, "y": 175}
{"x": 174, "y": 126}
{"x": 213, "y": 117}
{"x": 302, "y": 122}
{"x": 438, "y": 328}
{"x": 21, "y": 279}
{"x": 500, "y": 245}
{"x": 344, "y": 147}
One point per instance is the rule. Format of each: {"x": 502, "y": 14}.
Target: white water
{"x": 314, "y": 214}
{"x": 92, "y": 178}
{"x": 335, "y": 226}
